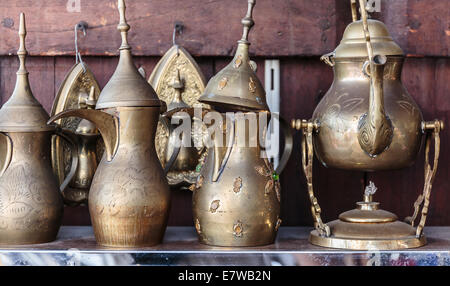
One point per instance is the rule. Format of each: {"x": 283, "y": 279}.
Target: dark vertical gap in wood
{"x": 54, "y": 78}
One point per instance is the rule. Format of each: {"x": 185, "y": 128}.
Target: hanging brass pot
{"x": 79, "y": 89}
{"x": 367, "y": 121}
{"x": 179, "y": 82}
{"x": 31, "y": 207}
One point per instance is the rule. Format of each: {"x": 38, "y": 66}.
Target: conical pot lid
{"x": 22, "y": 112}
{"x": 126, "y": 87}
{"x": 353, "y": 43}
{"x": 237, "y": 86}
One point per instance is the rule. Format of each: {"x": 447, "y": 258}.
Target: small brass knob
{"x": 437, "y": 125}
{"x": 299, "y": 124}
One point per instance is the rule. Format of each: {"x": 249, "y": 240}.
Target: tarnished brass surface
{"x": 433, "y": 129}
{"x": 129, "y": 197}
{"x": 367, "y": 122}
{"x": 22, "y": 112}
{"x": 78, "y": 90}
{"x": 339, "y": 115}
{"x": 354, "y": 43}
{"x": 367, "y": 227}
{"x": 178, "y": 80}
{"x": 237, "y": 86}
{"x": 237, "y": 199}
{"x": 162, "y": 77}
{"x": 31, "y": 207}
{"x": 126, "y": 87}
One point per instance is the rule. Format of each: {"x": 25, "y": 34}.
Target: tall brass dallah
{"x": 129, "y": 197}
{"x": 236, "y": 200}
{"x": 367, "y": 121}
{"x": 31, "y": 206}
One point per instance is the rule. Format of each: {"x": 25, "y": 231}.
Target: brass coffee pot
{"x": 129, "y": 197}
{"x": 181, "y": 162}
{"x": 31, "y": 206}
{"x": 236, "y": 199}
{"x": 79, "y": 89}
{"x": 367, "y": 121}
{"x": 89, "y": 146}
{"x": 179, "y": 82}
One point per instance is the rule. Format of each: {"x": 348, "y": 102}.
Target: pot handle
{"x": 308, "y": 128}
{"x": 69, "y": 138}
{"x": 6, "y": 151}
{"x": 176, "y": 150}
{"x": 432, "y": 129}
{"x": 288, "y": 144}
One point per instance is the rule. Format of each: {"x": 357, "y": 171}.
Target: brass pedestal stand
{"x": 367, "y": 227}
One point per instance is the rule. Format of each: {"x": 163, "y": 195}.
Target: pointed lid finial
{"x": 22, "y": 52}
{"x": 237, "y": 86}
{"x": 178, "y": 86}
{"x": 22, "y": 112}
{"x": 248, "y": 22}
{"x": 126, "y": 87}
{"x": 123, "y": 26}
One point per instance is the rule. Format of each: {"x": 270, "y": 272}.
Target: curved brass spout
{"x": 375, "y": 128}
{"x": 106, "y": 123}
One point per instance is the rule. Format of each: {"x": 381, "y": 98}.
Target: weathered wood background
{"x": 295, "y": 31}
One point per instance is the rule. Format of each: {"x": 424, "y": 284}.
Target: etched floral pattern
{"x": 24, "y": 201}
{"x": 273, "y": 183}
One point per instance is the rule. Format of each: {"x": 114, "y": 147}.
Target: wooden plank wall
{"x": 296, "y": 32}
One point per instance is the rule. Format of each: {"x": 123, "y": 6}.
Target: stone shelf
{"x": 76, "y": 246}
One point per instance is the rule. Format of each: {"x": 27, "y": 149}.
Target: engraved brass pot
{"x": 236, "y": 201}
{"x": 341, "y": 110}
{"x": 129, "y": 198}
{"x": 79, "y": 90}
{"x": 31, "y": 206}
{"x": 367, "y": 121}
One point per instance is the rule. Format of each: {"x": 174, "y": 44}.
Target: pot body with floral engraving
{"x": 31, "y": 206}
{"x": 340, "y": 112}
{"x": 236, "y": 201}
{"x": 129, "y": 197}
